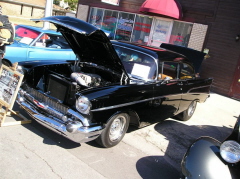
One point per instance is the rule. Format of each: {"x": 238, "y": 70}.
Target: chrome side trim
{"x": 145, "y": 100}
{"x": 131, "y": 103}
{"x": 197, "y": 88}
{"x": 121, "y": 105}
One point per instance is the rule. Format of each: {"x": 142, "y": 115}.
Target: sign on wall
{"x": 10, "y": 82}
{"x": 113, "y": 2}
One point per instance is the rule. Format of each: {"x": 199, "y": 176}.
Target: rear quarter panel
{"x": 194, "y": 89}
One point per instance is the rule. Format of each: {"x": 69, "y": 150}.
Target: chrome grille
{"x": 47, "y": 101}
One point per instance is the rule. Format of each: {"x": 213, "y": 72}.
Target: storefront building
{"x": 201, "y": 25}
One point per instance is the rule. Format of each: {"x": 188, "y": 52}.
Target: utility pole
{"x": 48, "y": 12}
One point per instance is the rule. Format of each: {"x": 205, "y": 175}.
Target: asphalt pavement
{"x": 31, "y": 151}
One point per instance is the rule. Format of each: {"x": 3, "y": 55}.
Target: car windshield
{"x": 137, "y": 64}
{"x": 25, "y": 35}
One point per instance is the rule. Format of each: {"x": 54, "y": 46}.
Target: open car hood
{"x": 88, "y": 42}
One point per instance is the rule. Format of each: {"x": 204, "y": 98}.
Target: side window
{"x": 137, "y": 64}
{"x": 168, "y": 69}
{"x": 187, "y": 71}
{"x": 52, "y": 41}
{"x": 41, "y": 42}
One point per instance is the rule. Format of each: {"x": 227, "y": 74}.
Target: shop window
{"x": 148, "y": 30}
{"x": 124, "y": 26}
{"x": 180, "y": 33}
{"x": 160, "y": 32}
{"x": 110, "y": 22}
{"x": 96, "y": 17}
{"x": 142, "y": 28}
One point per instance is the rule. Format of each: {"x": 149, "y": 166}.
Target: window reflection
{"x": 124, "y": 26}
{"x": 180, "y": 33}
{"x": 110, "y": 22}
{"x": 142, "y": 28}
{"x": 96, "y": 17}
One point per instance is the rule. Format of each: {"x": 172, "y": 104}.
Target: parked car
{"x": 112, "y": 85}
{"x": 34, "y": 43}
{"x": 210, "y": 158}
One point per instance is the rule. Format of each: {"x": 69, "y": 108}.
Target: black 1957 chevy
{"x": 111, "y": 85}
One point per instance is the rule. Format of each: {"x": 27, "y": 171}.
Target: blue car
{"x": 34, "y": 43}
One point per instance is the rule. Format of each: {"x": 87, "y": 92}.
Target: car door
{"x": 16, "y": 52}
{"x": 40, "y": 50}
{"x": 168, "y": 89}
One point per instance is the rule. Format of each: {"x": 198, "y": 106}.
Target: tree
{"x": 72, "y": 4}
{"x": 56, "y": 2}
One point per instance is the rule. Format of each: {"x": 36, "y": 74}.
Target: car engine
{"x": 86, "y": 79}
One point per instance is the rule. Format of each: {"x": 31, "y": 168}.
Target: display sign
{"x": 113, "y": 2}
{"x": 10, "y": 82}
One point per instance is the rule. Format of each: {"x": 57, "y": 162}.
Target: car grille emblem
{"x": 39, "y": 104}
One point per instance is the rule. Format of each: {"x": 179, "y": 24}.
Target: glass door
{"x": 161, "y": 31}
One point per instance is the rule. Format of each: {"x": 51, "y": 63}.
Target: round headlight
{"x": 83, "y": 105}
{"x": 20, "y": 69}
{"x": 230, "y": 151}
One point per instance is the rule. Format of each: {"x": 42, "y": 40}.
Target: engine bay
{"x": 63, "y": 81}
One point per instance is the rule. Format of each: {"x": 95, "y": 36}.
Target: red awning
{"x": 170, "y": 8}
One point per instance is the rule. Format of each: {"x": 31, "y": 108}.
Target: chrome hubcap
{"x": 117, "y": 127}
{"x": 192, "y": 108}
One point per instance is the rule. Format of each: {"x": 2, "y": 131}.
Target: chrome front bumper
{"x": 76, "y": 131}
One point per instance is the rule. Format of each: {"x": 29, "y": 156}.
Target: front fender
{"x": 203, "y": 160}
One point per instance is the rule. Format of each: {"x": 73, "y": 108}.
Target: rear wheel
{"x": 187, "y": 114}
{"x": 114, "y": 131}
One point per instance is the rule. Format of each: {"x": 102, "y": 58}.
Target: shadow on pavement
{"x": 156, "y": 167}
{"x": 179, "y": 137}
{"x": 49, "y": 137}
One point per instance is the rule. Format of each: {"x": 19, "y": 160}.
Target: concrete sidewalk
{"x": 24, "y": 155}
{"x": 171, "y": 138}
{"x": 28, "y": 153}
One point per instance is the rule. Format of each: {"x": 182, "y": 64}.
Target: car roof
{"x": 40, "y": 29}
{"x": 159, "y": 53}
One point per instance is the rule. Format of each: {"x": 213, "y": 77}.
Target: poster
{"x": 10, "y": 82}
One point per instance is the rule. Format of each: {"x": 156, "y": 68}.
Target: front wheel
{"x": 187, "y": 114}
{"x": 114, "y": 131}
